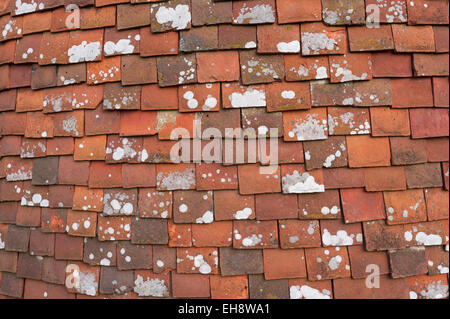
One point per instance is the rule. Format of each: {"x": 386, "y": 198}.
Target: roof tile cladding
{"x": 90, "y": 98}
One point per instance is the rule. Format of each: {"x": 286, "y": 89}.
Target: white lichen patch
{"x": 34, "y": 199}
{"x": 126, "y": 150}
{"x": 340, "y": 239}
{"x": 19, "y": 174}
{"x": 176, "y": 180}
{"x": 443, "y": 269}
{"x": 84, "y": 52}
{"x": 11, "y": 27}
{"x": 300, "y": 183}
{"x": 87, "y": 284}
{"x": 307, "y": 292}
{"x": 104, "y": 75}
{"x": 330, "y": 16}
{"x": 263, "y": 13}
{"x": 309, "y": 129}
{"x": 108, "y": 232}
{"x": 27, "y": 6}
{"x": 206, "y": 218}
{"x": 123, "y": 46}
{"x": 348, "y": 119}
{"x": 243, "y": 214}
{"x": 303, "y": 71}
{"x": 428, "y": 240}
{"x": 252, "y": 97}
{"x": 124, "y": 100}
{"x": 151, "y": 287}
{"x": 435, "y": 290}
{"x": 188, "y": 73}
{"x": 250, "y": 45}
{"x": 334, "y": 210}
{"x": 177, "y": 18}
{"x": 2, "y": 242}
{"x": 119, "y": 203}
{"x": 396, "y": 12}
{"x": 334, "y": 262}
{"x": 314, "y": 43}
{"x": 289, "y": 47}
{"x": 200, "y": 263}
{"x": 28, "y": 150}
{"x": 55, "y": 102}
{"x": 288, "y": 94}
{"x": 209, "y": 102}
{"x": 259, "y": 67}
{"x": 26, "y": 53}
{"x": 70, "y": 126}
{"x": 252, "y": 241}
{"x": 82, "y": 100}
{"x": 345, "y": 74}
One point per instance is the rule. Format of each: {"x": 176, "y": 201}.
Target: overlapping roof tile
{"x": 328, "y": 172}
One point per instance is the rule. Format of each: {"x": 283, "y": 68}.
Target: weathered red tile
{"x": 389, "y": 122}
{"x": 229, "y": 204}
{"x": 365, "y": 151}
{"x": 389, "y": 11}
{"x": 413, "y": 38}
{"x": 207, "y": 12}
{"x": 363, "y": 38}
{"x": 380, "y": 236}
{"x": 405, "y": 150}
{"x": 299, "y": 234}
{"x": 389, "y": 64}
{"x": 193, "y": 207}
{"x": 256, "y": 69}
{"x": 217, "y": 234}
{"x": 199, "y": 97}
{"x": 255, "y": 234}
{"x": 327, "y": 263}
{"x": 361, "y": 262}
{"x": 177, "y": 70}
{"x": 81, "y": 223}
{"x": 171, "y": 15}
{"x": 197, "y": 261}
{"x": 408, "y": 262}
{"x": 98, "y": 17}
{"x": 107, "y": 70}
{"x": 427, "y": 12}
{"x": 401, "y": 99}
{"x": 428, "y": 287}
{"x": 324, "y": 205}
{"x": 337, "y": 233}
{"x": 251, "y": 181}
{"x": 190, "y": 286}
{"x": 405, "y": 206}
{"x": 318, "y": 39}
{"x": 285, "y": 96}
{"x": 230, "y": 287}
{"x": 241, "y": 262}
{"x": 429, "y": 122}
{"x": 299, "y": 68}
{"x": 254, "y": 12}
{"x": 437, "y": 202}
{"x": 113, "y": 228}
{"x": 305, "y": 125}
{"x": 359, "y": 205}
{"x": 441, "y": 91}
{"x": 168, "y": 43}
{"x": 348, "y": 121}
{"x": 357, "y": 289}
{"x": 280, "y": 263}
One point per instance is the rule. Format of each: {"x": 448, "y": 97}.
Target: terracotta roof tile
{"x": 315, "y": 147}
